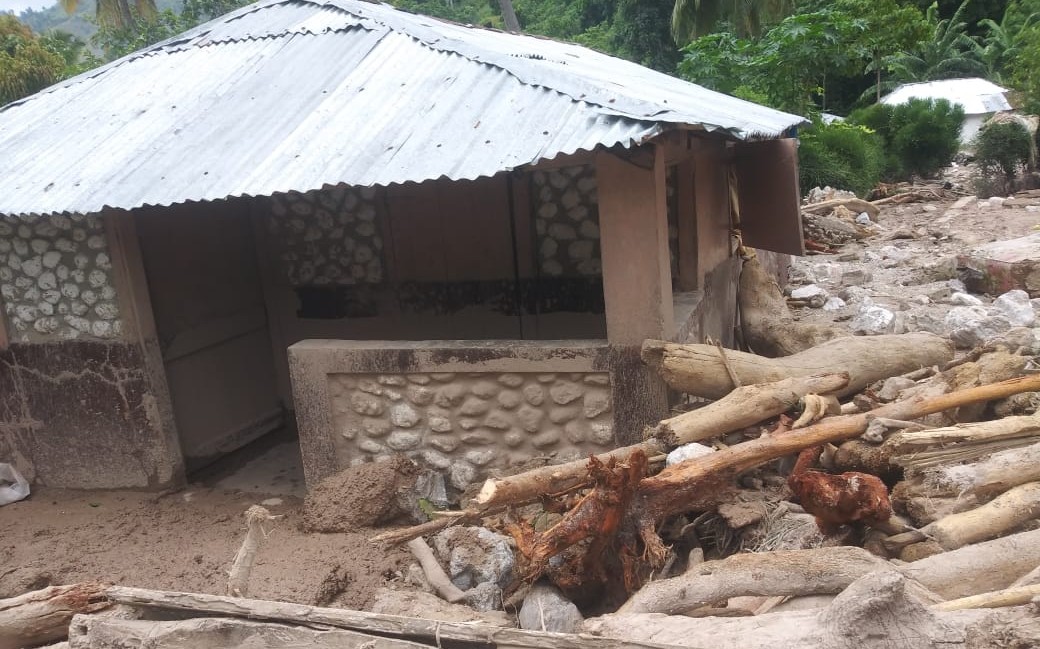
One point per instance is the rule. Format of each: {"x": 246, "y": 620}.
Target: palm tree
{"x": 118, "y": 14}
{"x": 948, "y": 54}
{"x": 1002, "y": 41}
{"x": 692, "y": 18}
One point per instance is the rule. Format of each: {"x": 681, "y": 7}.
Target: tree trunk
{"x": 700, "y": 370}
{"x": 745, "y": 406}
{"x": 980, "y": 568}
{"x": 768, "y": 326}
{"x": 881, "y": 610}
{"x": 43, "y": 616}
{"x": 509, "y": 15}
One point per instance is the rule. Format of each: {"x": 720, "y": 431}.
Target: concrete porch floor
{"x": 270, "y": 465}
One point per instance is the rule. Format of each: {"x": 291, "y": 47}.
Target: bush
{"x": 1003, "y": 146}
{"x": 840, "y": 155}
{"x": 920, "y": 137}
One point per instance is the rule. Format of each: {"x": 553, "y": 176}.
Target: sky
{"x": 18, "y": 6}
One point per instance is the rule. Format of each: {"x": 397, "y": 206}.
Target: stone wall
{"x": 328, "y": 237}
{"x": 566, "y": 218}
{"x": 467, "y": 423}
{"x": 56, "y": 279}
{"x": 465, "y": 408}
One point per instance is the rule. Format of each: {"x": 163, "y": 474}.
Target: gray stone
{"x": 365, "y": 404}
{"x": 963, "y": 299}
{"x": 576, "y": 431}
{"x": 499, "y": 420}
{"x": 446, "y": 443}
{"x": 439, "y": 424}
{"x": 545, "y": 440}
{"x": 481, "y": 457}
{"x": 856, "y": 277}
{"x": 808, "y": 292}
{"x": 419, "y": 395}
{"x": 475, "y": 555}
{"x": 484, "y": 389}
{"x": 509, "y": 399}
{"x": 511, "y": 380}
{"x": 546, "y": 609}
{"x": 450, "y": 395}
{"x": 834, "y": 304}
{"x": 1016, "y": 307}
{"x": 404, "y": 440}
{"x": 565, "y": 392}
{"x": 892, "y": 386}
{"x": 687, "y": 452}
{"x": 534, "y": 394}
{"x": 474, "y": 406}
{"x": 403, "y": 415}
{"x": 462, "y": 474}
{"x": 435, "y": 460}
{"x": 970, "y": 326}
{"x": 873, "y": 320}
{"x": 514, "y": 438}
{"x": 484, "y": 597}
{"x": 602, "y": 434}
{"x": 562, "y": 232}
{"x": 562, "y": 415}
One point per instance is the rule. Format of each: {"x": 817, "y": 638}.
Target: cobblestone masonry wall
{"x": 56, "y": 279}
{"x": 566, "y": 217}
{"x": 465, "y": 424}
{"x": 328, "y": 237}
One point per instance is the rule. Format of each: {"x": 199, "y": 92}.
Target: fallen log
{"x": 700, "y": 370}
{"x": 1005, "y": 512}
{"x": 429, "y": 632}
{"x": 881, "y": 610}
{"x": 745, "y": 406}
{"x": 856, "y": 205}
{"x": 818, "y": 571}
{"x": 768, "y": 326}
{"x": 434, "y": 572}
{"x": 971, "y": 570}
{"x": 986, "y": 365}
{"x": 43, "y": 616}
{"x": 88, "y": 632}
{"x": 1015, "y": 596}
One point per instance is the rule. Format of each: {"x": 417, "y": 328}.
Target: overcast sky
{"x": 18, "y": 6}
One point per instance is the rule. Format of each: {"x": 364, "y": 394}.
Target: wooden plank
{"x": 770, "y": 199}
{"x": 429, "y": 632}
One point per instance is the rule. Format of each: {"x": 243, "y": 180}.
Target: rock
{"x": 427, "y": 606}
{"x": 546, "y": 609}
{"x": 687, "y": 452}
{"x": 828, "y": 272}
{"x": 1016, "y": 307}
{"x": 963, "y": 299}
{"x": 853, "y": 294}
{"x": 970, "y": 326}
{"x": 834, "y": 304}
{"x": 895, "y": 254}
{"x": 475, "y": 555}
{"x": 1001, "y": 266}
{"x": 956, "y": 285}
{"x": 940, "y": 271}
{"x": 873, "y": 320}
{"x": 926, "y": 322}
{"x": 484, "y": 597}
{"x": 856, "y": 277}
{"x": 892, "y": 386}
{"x": 863, "y": 219}
{"x": 808, "y": 292}
{"x": 963, "y": 202}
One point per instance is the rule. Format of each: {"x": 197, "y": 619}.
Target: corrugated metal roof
{"x": 291, "y": 95}
{"x": 975, "y": 95}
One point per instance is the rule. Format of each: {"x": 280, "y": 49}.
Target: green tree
{"x": 1002, "y": 40}
{"x": 26, "y": 66}
{"x": 120, "y": 41}
{"x": 693, "y": 18}
{"x": 119, "y": 14}
{"x": 948, "y": 52}
{"x": 72, "y": 50}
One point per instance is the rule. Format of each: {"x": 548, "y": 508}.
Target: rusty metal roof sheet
{"x": 293, "y": 95}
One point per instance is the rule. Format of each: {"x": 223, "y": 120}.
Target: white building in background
{"x": 979, "y": 98}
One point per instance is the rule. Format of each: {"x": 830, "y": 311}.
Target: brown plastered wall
{"x": 79, "y": 411}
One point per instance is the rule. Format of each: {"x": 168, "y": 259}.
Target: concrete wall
{"x": 464, "y": 408}
{"x": 83, "y": 402}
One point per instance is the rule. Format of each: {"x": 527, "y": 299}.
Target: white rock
{"x": 970, "y": 326}
{"x": 834, "y": 304}
{"x": 963, "y": 202}
{"x": 956, "y": 285}
{"x": 873, "y": 320}
{"x": 51, "y": 259}
{"x": 101, "y": 329}
{"x": 828, "y": 272}
{"x": 863, "y": 219}
{"x": 403, "y": 415}
{"x": 929, "y": 208}
{"x": 687, "y": 452}
{"x": 1015, "y": 305}
{"x": 807, "y": 292}
{"x": 964, "y": 299}
{"x": 546, "y": 609}
{"x": 32, "y": 267}
{"x": 894, "y": 253}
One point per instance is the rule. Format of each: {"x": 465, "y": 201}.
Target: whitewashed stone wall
{"x": 566, "y": 217}
{"x": 328, "y": 237}
{"x": 465, "y": 424}
{"x": 56, "y": 278}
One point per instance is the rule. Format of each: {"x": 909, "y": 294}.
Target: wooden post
{"x": 686, "y": 209}
{"x": 637, "y": 280}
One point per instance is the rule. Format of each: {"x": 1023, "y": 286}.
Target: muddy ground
{"x": 186, "y": 540}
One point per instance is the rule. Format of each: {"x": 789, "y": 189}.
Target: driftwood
{"x": 856, "y": 205}
{"x": 1014, "y": 596}
{"x": 429, "y": 632}
{"x": 744, "y": 406}
{"x": 238, "y": 576}
{"x": 1004, "y": 513}
{"x": 784, "y": 572}
{"x": 434, "y": 572}
{"x": 768, "y": 326}
{"x": 43, "y": 616}
{"x": 986, "y": 365}
{"x": 881, "y": 610}
{"x": 699, "y": 370}
{"x": 88, "y": 632}
{"x": 971, "y": 570}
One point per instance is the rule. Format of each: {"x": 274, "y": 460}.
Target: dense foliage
{"x": 1003, "y": 147}
{"x": 919, "y": 137}
{"x": 25, "y": 64}
{"x": 840, "y": 155}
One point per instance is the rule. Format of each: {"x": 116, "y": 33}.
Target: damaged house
{"x": 415, "y": 236}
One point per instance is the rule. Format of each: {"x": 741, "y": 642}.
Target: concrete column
{"x": 637, "y": 281}
{"x": 633, "y": 223}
